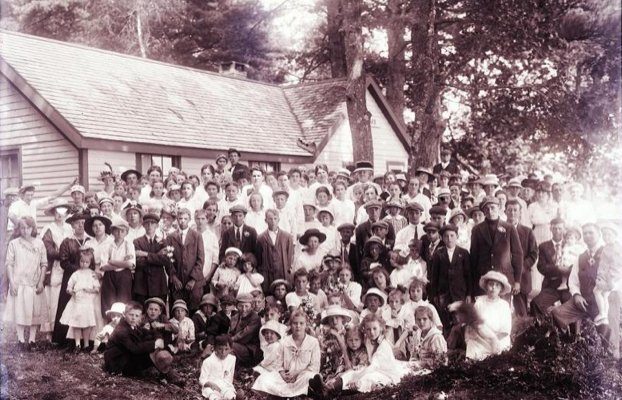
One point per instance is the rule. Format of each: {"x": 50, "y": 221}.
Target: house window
{"x": 163, "y": 161}
{"x": 266, "y": 166}
{"x": 10, "y": 172}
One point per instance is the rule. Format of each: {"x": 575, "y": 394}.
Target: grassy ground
{"x": 557, "y": 371}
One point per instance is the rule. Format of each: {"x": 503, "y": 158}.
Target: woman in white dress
{"x": 26, "y": 263}
{"x": 256, "y": 216}
{"x": 299, "y": 359}
{"x": 52, "y": 236}
{"x": 311, "y": 256}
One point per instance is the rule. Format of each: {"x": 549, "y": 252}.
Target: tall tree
{"x": 336, "y": 38}
{"x": 397, "y": 13}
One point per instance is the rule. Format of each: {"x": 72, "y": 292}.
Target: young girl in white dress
{"x": 271, "y": 332}
{"x": 26, "y": 263}
{"x": 249, "y": 280}
{"x": 299, "y": 362}
{"x": 495, "y": 311}
{"x": 83, "y": 286}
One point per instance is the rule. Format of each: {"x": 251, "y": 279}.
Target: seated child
{"x": 428, "y": 348}
{"x": 271, "y": 333}
{"x": 157, "y": 325}
{"x": 184, "y": 338}
{"x": 219, "y": 324}
{"x": 402, "y": 272}
{"x": 130, "y": 352}
{"x": 350, "y": 291}
{"x": 217, "y": 371}
{"x": 495, "y": 311}
{"x": 383, "y": 368}
{"x": 207, "y": 309}
{"x": 301, "y": 292}
{"x": 300, "y": 361}
{"x": 250, "y": 279}
{"x": 315, "y": 287}
{"x": 374, "y": 301}
{"x": 331, "y": 335}
{"x": 273, "y": 313}
{"x": 114, "y": 314}
{"x": 416, "y": 290}
{"x": 397, "y": 320}
{"x": 478, "y": 339}
{"x": 259, "y": 303}
{"x": 227, "y": 273}
{"x": 415, "y": 263}
{"x": 278, "y": 291}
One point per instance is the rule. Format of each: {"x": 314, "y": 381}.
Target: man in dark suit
{"x": 450, "y": 274}
{"x": 530, "y": 255}
{"x": 239, "y": 235}
{"x": 152, "y": 263}
{"x": 364, "y": 231}
{"x": 550, "y": 265}
{"x": 237, "y": 169}
{"x": 129, "y": 352}
{"x": 347, "y": 250}
{"x": 186, "y": 273}
{"x": 244, "y": 331}
{"x": 275, "y": 251}
{"x": 446, "y": 164}
{"x": 495, "y": 245}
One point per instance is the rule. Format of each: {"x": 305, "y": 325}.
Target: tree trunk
{"x": 139, "y": 30}
{"x": 427, "y": 130}
{"x": 356, "y": 89}
{"x": 336, "y": 40}
{"x": 396, "y": 62}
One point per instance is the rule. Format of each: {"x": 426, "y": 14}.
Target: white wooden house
{"x": 65, "y": 109}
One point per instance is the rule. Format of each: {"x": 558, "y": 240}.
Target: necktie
{"x": 558, "y": 254}
{"x": 239, "y": 235}
{"x": 183, "y": 237}
{"x": 344, "y": 253}
{"x": 416, "y": 233}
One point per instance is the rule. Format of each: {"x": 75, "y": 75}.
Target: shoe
{"x": 77, "y": 349}
{"x": 316, "y": 387}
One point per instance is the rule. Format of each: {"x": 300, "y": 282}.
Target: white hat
{"x": 496, "y": 276}
{"x": 116, "y": 308}
{"x": 336, "y": 310}
{"x": 273, "y": 326}
{"x": 77, "y": 188}
{"x": 233, "y": 250}
{"x": 377, "y": 292}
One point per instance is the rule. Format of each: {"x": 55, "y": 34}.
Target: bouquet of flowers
{"x": 170, "y": 254}
{"x": 308, "y": 307}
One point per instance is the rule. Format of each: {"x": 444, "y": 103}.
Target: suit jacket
{"x": 189, "y": 257}
{"x": 504, "y": 254}
{"x": 245, "y": 331}
{"x": 274, "y": 260}
{"x": 248, "y": 245}
{"x": 530, "y": 255}
{"x": 451, "y": 278}
{"x": 353, "y": 259}
{"x": 127, "y": 350}
{"x": 546, "y": 265}
{"x": 363, "y": 232}
{"x": 151, "y": 271}
{"x": 452, "y": 168}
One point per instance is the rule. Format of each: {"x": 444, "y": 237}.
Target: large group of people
{"x": 321, "y": 281}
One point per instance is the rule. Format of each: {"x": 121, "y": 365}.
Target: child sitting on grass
{"x": 114, "y": 314}
{"x": 217, "y": 371}
{"x": 184, "y": 338}
{"x": 227, "y": 274}
{"x": 428, "y": 348}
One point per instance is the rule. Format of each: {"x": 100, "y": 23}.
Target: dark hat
{"x": 425, "y": 170}
{"x": 238, "y": 208}
{"x": 473, "y": 179}
{"x": 221, "y": 155}
{"x": 346, "y": 225}
{"x": 431, "y": 226}
{"x": 233, "y": 150}
{"x": 414, "y": 206}
{"x": 373, "y": 204}
{"x": 304, "y": 239}
{"x": 471, "y": 210}
{"x": 278, "y": 192}
{"x": 78, "y": 216}
{"x": 449, "y": 227}
{"x": 445, "y": 151}
{"x": 529, "y": 183}
{"x": 438, "y": 210}
{"x": 151, "y": 217}
{"x": 400, "y": 176}
{"x": 363, "y": 166}
{"x": 88, "y": 225}
{"x": 488, "y": 200}
{"x": 156, "y": 300}
{"x": 130, "y": 171}
{"x": 210, "y": 299}
{"x": 543, "y": 187}
{"x": 227, "y": 299}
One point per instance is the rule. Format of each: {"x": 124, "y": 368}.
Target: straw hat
{"x": 116, "y": 308}
{"x": 496, "y": 276}
{"x": 59, "y": 205}
{"x": 336, "y": 311}
{"x": 210, "y": 299}
{"x": 376, "y": 292}
{"x": 155, "y": 300}
{"x": 180, "y": 304}
{"x": 273, "y": 326}
{"x": 304, "y": 239}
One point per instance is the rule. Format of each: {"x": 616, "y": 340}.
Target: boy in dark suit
{"x": 129, "y": 352}
{"x": 239, "y": 235}
{"x": 152, "y": 263}
{"x": 450, "y": 274}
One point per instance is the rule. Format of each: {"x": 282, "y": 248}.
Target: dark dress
{"x": 69, "y": 254}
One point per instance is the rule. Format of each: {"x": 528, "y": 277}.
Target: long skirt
{"x": 272, "y": 383}
{"x": 27, "y": 307}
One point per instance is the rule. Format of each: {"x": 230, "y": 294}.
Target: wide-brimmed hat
{"x": 443, "y": 192}
{"x": 180, "y": 304}
{"x": 277, "y": 282}
{"x": 106, "y": 199}
{"x": 490, "y": 180}
{"x": 471, "y": 210}
{"x": 457, "y": 211}
{"x": 344, "y": 172}
{"x": 27, "y": 187}
{"x": 132, "y": 205}
{"x": 78, "y": 216}
{"x": 210, "y": 299}
{"x": 59, "y": 205}
{"x": 425, "y": 170}
{"x": 400, "y": 176}
{"x": 12, "y": 191}
{"x": 375, "y": 292}
{"x": 514, "y": 182}
{"x": 496, "y": 276}
{"x": 488, "y": 200}
{"x": 88, "y": 224}
{"x": 363, "y": 166}
{"x": 116, "y": 308}
{"x": 130, "y": 171}
{"x": 336, "y": 311}
{"x": 609, "y": 225}
{"x": 372, "y": 240}
{"x": 274, "y": 326}
{"x": 155, "y": 300}
{"x": 304, "y": 239}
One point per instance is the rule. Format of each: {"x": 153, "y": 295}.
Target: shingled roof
{"x": 96, "y": 97}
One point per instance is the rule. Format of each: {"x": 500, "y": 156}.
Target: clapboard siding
{"x": 48, "y": 159}
{"x": 387, "y": 146}
{"x": 192, "y": 165}
{"x": 119, "y": 160}
{"x": 338, "y": 151}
